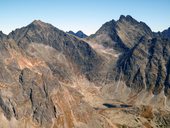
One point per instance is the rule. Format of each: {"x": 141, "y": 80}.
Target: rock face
{"x": 50, "y": 78}
{"x": 145, "y": 66}
{"x": 79, "y": 34}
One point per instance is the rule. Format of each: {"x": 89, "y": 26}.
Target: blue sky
{"x": 85, "y": 15}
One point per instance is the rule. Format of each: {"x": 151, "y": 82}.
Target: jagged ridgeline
{"x": 51, "y": 78}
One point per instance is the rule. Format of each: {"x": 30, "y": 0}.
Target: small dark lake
{"x": 116, "y": 106}
{"x": 110, "y": 105}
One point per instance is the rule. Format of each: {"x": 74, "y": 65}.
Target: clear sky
{"x": 85, "y": 15}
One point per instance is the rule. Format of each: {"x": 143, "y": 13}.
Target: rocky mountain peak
{"x": 166, "y": 33}
{"x": 79, "y": 34}
{"x": 36, "y": 31}
{"x": 123, "y": 33}
{"x": 37, "y": 22}
{"x": 122, "y": 17}
{"x": 40, "y": 24}
{"x": 127, "y": 18}
{"x": 71, "y": 32}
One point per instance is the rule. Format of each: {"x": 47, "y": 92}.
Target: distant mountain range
{"x": 79, "y": 34}
{"x": 117, "y": 77}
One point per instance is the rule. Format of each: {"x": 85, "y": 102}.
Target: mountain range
{"x": 118, "y": 77}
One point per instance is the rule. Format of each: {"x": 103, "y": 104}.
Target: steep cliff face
{"x": 145, "y": 66}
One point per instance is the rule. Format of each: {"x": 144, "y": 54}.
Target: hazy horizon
{"x": 85, "y": 15}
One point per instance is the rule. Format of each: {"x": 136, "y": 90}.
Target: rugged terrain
{"x": 117, "y": 77}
